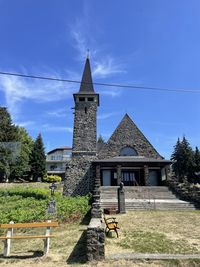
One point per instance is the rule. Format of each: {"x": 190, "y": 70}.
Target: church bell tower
{"x": 79, "y": 177}
{"x": 86, "y": 103}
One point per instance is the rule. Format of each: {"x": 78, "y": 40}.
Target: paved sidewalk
{"x": 147, "y": 256}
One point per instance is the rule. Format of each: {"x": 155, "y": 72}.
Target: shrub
{"x": 30, "y": 205}
{"x": 52, "y": 179}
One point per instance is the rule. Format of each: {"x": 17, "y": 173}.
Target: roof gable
{"x": 127, "y": 134}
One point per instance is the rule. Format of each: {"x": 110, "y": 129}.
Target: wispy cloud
{"x": 55, "y": 128}
{"x": 163, "y": 143}
{"x": 107, "y": 67}
{"x": 18, "y": 90}
{"x": 79, "y": 41}
{"x": 45, "y": 127}
{"x": 166, "y": 123}
{"x": 107, "y": 115}
{"x": 112, "y": 92}
{"x": 25, "y": 123}
{"x": 61, "y": 112}
{"x": 104, "y": 64}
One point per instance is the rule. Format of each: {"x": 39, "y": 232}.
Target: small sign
{"x": 51, "y": 207}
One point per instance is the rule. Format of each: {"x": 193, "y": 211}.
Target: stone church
{"x": 126, "y": 157}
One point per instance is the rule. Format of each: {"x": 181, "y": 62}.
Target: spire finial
{"x": 88, "y": 53}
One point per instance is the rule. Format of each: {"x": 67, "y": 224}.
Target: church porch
{"x": 132, "y": 171}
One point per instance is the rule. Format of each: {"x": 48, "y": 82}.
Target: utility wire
{"x": 101, "y": 84}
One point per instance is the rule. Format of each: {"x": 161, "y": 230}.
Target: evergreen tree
{"x": 100, "y": 143}
{"x": 197, "y": 162}
{"x": 38, "y": 159}
{"x": 183, "y": 157}
{"x": 8, "y": 139}
{"x": 188, "y": 159}
{"x": 101, "y": 139}
{"x": 177, "y": 158}
{"x": 22, "y": 166}
{"x": 8, "y": 131}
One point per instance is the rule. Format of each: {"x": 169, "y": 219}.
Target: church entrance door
{"x": 130, "y": 178}
{"x": 153, "y": 178}
{"x": 106, "y": 177}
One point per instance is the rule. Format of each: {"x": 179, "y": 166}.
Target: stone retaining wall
{"x": 186, "y": 191}
{"x": 95, "y": 240}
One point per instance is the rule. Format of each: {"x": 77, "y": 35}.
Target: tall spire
{"x": 86, "y": 82}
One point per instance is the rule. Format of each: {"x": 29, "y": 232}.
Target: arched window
{"x": 128, "y": 151}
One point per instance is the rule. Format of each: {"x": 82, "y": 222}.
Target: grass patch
{"x": 156, "y": 232}
{"x": 152, "y": 242}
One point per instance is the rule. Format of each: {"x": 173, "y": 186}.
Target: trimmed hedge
{"x": 52, "y": 179}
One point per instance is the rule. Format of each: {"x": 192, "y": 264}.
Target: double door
{"x": 129, "y": 178}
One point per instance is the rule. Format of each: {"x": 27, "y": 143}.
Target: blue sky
{"x": 140, "y": 42}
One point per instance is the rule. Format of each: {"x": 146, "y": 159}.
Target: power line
{"x": 101, "y": 84}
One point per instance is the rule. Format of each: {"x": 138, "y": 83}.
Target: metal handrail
{"x": 146, "y": 195}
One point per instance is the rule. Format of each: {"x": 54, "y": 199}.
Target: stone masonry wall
{"x": 127, "y": 134}
{"x": 95, "y": 240}
{"x": 79, "y": 177}
{"x": 84, "y": 136}
{"x": 186, "y": 191}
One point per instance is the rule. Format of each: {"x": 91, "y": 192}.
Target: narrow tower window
{"x": 85, "y": 110}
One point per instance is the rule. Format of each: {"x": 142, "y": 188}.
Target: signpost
{"x": 51, "y": 208}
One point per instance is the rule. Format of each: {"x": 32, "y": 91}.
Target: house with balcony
{"x": 57, "y": 159}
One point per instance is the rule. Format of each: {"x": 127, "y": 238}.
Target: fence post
{"x": 47, "y": 239}
{"x": 7, "y": 242}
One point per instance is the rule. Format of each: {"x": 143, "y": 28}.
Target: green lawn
{"x": 157, "y": 232}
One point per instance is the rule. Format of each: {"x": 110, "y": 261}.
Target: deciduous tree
{"x": 22, "y": 167}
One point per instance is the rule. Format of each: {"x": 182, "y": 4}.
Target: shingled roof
{"x": 86, "y": 81}
{"x": 127, "y": 134}
{"x": 134, "y": 159}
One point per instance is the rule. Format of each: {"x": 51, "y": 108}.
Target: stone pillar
{"x": 119, "y": 174}
{"x": 96, "y": 208}
{"x": 121, "y": 199}
{"x": 146, "y": 175}
{"x": 95, "y": 240}
{"x": 97, "y": 181}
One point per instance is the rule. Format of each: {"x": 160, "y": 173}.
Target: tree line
{"x": 20, "y": 156}
{"x": 186, "y": 161}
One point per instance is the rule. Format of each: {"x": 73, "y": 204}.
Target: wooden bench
{"x": 10, "y": 234}
{"x": 111, "y": 225}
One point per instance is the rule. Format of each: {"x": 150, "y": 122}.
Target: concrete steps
{"x": 144, "y": 198}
